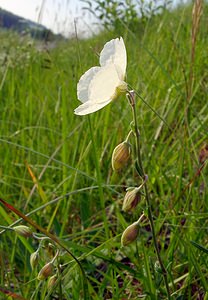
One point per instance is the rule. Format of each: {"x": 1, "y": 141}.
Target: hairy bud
{"x": 130, "y": 234}
{"x": 52, "y": 281}
{"x": 131, "y": 199}
{"x": 34, "y": 257}
{"x": 121, "y": 155}
{"x": 23, "y": 230}
{"x": 46, "y": 271}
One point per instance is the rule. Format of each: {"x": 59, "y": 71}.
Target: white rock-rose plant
{"x": 96, "y": 88}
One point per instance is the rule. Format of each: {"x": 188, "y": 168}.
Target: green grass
{"x": 77, "y": 197}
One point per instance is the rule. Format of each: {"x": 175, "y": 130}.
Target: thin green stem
{"x": 131, "y": 96}
{"x": 59, "y": 283}
{"x": 128, "y": 136}
{"x": 6, "y": 228}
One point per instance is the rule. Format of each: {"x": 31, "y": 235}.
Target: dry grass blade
{"x": 196, "y": 16}
{"x": 11, "y": 293}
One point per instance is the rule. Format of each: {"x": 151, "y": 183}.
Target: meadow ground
{"x": 56, "y": 166}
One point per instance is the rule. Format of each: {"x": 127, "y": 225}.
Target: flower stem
{"x": 131, "y": 97}
{"x": 6, "y": 228}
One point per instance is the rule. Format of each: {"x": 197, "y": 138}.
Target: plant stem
{"x": 59, "y": 284}
{"x": 6, "y": 228}
{"x": 131, "y": 97}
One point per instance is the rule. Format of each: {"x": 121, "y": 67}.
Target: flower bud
{"x": 121, "y": 155}
{"x": 131, "y": 199}
{"x": 203, "y": 155}
{"x": 23, "y": 230}
{"x": 130, "y": 234}
{"x": 34, "y": 257}
{"x": 52, "y": 281}
{"x": 158, "y": 267}
{"x": 46, "y": 271}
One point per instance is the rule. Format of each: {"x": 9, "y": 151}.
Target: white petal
{"x": 89, "y": 107}
{"x": 84, "y": 82}
{"x": 103, "y": 86}
{"x": 114, "y": 51}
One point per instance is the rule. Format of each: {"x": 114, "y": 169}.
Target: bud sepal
{"x": 52, "y": 281}
{"x": 121, "y": 155}
{"x": 34, "y": 257}
{"x": 46, "y": 271}
{"x": 130, "y": 234}
{"x": 131, "y": 199}
{"x": 23, "y": 230}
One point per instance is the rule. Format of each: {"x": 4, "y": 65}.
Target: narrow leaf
{"x": 200, "y": 247}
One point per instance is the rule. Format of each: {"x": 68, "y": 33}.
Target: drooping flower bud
{"x": 158, "y": 267}
{"x": 46, "y": 271}
{"x": 121, "y": 155}
{"x": 52, "y": 281}
{"x": 23, "y": 230}
{"x": 34, "y": 257}
{"x": 131, "y": 199}
{"x": 130, "y": 234}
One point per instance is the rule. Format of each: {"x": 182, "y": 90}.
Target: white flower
{"x": 100, "y": 85}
